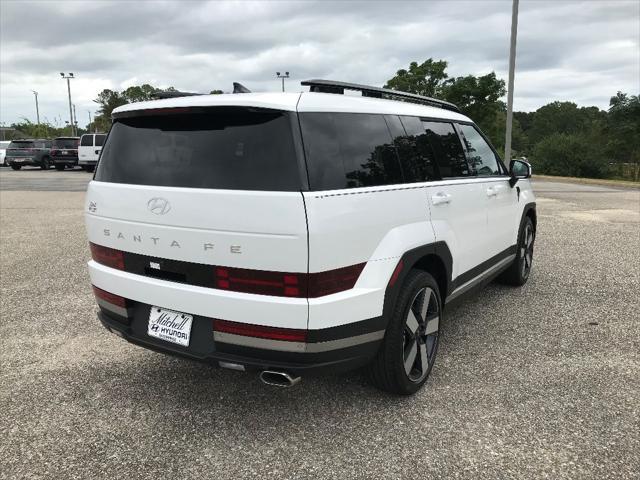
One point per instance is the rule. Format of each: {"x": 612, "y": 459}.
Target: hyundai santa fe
{"x": 298, "y": 233}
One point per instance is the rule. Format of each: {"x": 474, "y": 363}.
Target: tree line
{"x": 559, "y": 138}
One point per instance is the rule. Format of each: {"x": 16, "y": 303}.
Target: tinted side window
{"x": 347, "y": 150}
{"x": 416, "y": 154}
{"x": 100, "y": 140}
{"x": 480, "y": 154}
{"x": 86, "y": 141}
{"x": 451, "y": 159}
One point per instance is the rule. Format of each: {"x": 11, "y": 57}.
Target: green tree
{"x": 424, "y": 79}
{"x": 215, "y": 92}
{"x": 479, "y": 99}
{"x": 564, "y": 117}
{"x": 623, "y": 128}
{"x": 570, "y": 154}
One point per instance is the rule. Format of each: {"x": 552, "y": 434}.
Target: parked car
{"x": 89, "y": 150}
{"x": 3, "y": 152}
{"x": 297, "y": 233}
{"x": 31, "y": 152}
{"x": 64, "y": 152}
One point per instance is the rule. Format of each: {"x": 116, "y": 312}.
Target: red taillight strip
{"x": 259, "y": 282}
{"x": 260, "y": 331}
{"x": 107, "y": 256}
{"x": 112, "y": 298}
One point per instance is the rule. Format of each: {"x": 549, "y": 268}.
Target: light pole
{"x": 89, "y": 112}
{"x": 75, "y": 119}
{"x": 37, "y": 109}
{"x": 512, "y": 68}
{"x": 68, "y": 77}
{"x": 286, "y": 75}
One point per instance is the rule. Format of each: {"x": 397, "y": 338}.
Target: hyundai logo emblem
{"x": 158, "y": 205}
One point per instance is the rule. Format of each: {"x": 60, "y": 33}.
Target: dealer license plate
{"x": 170, "y": 326}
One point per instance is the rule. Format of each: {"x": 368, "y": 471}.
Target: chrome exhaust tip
{"x": 278, "y": 379}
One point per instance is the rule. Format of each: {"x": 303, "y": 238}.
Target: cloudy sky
{"x": 579, "y": 51}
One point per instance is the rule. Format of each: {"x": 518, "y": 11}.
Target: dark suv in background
{"x": 64, "y": 152}
{"x": 33, "y": 152}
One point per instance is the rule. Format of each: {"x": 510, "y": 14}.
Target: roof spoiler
{"x": 160, "y": 94}
{"x": 331, "y": 86}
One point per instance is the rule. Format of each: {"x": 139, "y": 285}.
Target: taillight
{"x": 297, "y": 285}
{"x": 334, "y": 281}
{"x": 110, "y": 297}
{"x": 261, "y": 282}
{"x": 259, "y": 331}
{"x": 53, "y": 152}
{"x": 107, "y": 256}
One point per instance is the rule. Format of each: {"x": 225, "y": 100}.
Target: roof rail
{"x": 331, "y": 86}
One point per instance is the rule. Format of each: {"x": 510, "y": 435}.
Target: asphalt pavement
{"x": 535, "y": 382}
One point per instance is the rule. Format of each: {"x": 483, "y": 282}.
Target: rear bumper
{"x": 204, "y": 347}
{"x": 87, "y": 162}
{"x": 28, "y": 161}
{"x": 64, "y": 160}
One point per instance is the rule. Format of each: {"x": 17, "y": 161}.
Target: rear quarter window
{"x": 348, "y": 150}
{"x": 222, "y": 148}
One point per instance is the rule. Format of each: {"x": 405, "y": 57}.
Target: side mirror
{"x": 518, "y": 169}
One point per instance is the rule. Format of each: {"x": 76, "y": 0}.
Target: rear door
{"x": 85, "y": 149}
{"x": 215, "y": 186}
{"x": 457, "y": 201}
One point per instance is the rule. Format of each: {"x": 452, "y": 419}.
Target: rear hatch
{"x": 21, "y": 149}
{"x": 184, "y": 190}
{"x": 65, "y": 147}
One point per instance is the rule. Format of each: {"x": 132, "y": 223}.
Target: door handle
{"x": 441, "y": 198}
{"x": 492, "y": 192}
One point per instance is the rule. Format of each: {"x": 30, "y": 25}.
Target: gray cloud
{"x": 579, "y": 51}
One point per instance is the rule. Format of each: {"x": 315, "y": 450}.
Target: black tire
{"x": 16, "y": 167}
{"x": 387, "y": 371}
{"x": 59, "y": 167}
{"x": 45, "y": 165}
{"x": 518, "y": 273}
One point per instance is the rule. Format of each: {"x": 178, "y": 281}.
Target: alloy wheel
{"x": 420, "y": 338}
{"x": 526, "y": 251}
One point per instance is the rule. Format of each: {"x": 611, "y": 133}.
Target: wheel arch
{"x": 434, "y": 258}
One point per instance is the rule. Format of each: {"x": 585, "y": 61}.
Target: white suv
{"x": 89, "y": 150}
{"x": 295, "y": 233}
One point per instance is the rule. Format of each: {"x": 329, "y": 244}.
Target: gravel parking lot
{"x": 538, "y": 382}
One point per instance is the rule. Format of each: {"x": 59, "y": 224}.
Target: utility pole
{"x": 89, "y": 112}
{"x": 37, "y": 109}
{"x": 286, "y": 75}
{"x": 69, "y": 77}
{"x": 512, "y": 68}
{"x": 75, "y": 120}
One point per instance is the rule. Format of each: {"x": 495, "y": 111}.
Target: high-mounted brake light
{"x": 259, "y": 331}
{"x": 107, "y": 256}
{"x": 112, "y": 298}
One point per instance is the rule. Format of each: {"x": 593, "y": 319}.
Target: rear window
{"x": 65, "y": 143}
{"x": 86, "y": 141}
{"x": 348, "y": 150}
{"x": 100, "y": 140}
{"x": 21, "y": 144}
{"x": 225, "y": 148}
